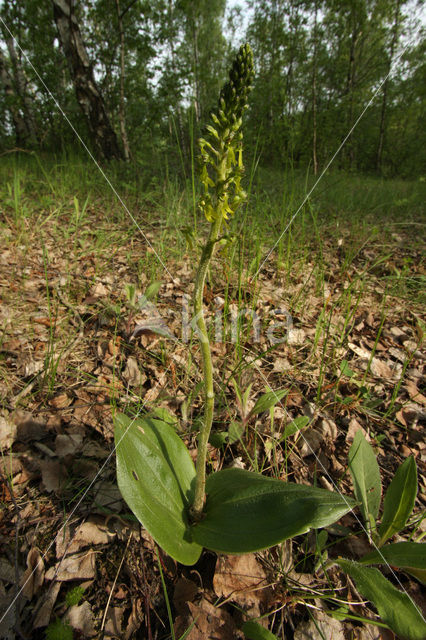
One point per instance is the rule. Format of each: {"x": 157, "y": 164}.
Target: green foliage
{"x": 74, "y": 596}
{"x": 246, "y": 511}
{"x": 399, "y": 500}
{"x": 174, "y": 63}
{"x": 365, "y": 474}
{"x": 267, "y": 401}
{"x": 58, "y": 630}
{"x": 155, "y": 475}
{"x": 254, "y": 631}
{"x": 403, "y": 555}
{"x": 395, "y": 608}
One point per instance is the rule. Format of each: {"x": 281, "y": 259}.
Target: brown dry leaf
{"x": 99, "y": 290}
{"x": 369, "y": 632}
{"x": 7, "y": 433}
{"x": 328, "y": 429}
{"x": 108, "y": 495}
{"x": 185, "y": 591}
{"x": 353, "y": 427}
{"x": 242, "y": 579}
{"x": 208, "y": 622}
{"x": 309, "y": 443}
{"x": 53, "y": 475}
{"x": 81, "y": 618}
{"x": 114, "y": 621}
{"x": 68, "y": 443}
{"x": 28, "y": 428}
{"x": 409, "y": 415}
{"x": 8, "y": 614}
{"x": 380, "y": 369}
{"x": 135, "y": 619}
{"x": 61, "y": 401}
{"x": 33, "y": 576}
{"x": 414, "y": 393}
{"x": 360, "y": 351}
{"x": 281, "y": 365}
{"x": 88, "y": 533}
{"x": 76, "y": 567}
{"x": 322, "y": 627}
{"x": 132, "y": 374}
{"x": 296, "y": 337}
{"x": 93, "y": 449}
{"x": 46, "y": 602}
{"x": 10, "y": 464}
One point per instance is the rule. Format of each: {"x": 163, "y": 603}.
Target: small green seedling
{"x": 395, "y": 608}
{"x": 232, "y": 510}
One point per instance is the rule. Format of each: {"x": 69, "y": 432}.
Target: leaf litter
{"x": 73, "y": 348}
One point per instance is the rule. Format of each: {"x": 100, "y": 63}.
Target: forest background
{"x": 137, "y": 79}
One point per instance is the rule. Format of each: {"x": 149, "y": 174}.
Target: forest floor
{"x": 344, "y": 288}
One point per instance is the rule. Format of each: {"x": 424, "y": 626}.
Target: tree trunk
{"x": 350, "y": 85}
{"x": 88, "y": 95}
{"x": 21, "y": 90}
{"x": 380, "y": 145}
{"x": 21, "y": 131}
{"x": 122, "y": 114}
{"x": 180, "y": 134}
{"x": 314, "y": 95}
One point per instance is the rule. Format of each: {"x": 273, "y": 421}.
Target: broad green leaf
{"x": 395, "y": 608}
{"x": 254, "y": 631}
{"x": 296, "y": 425}
{"x": 235, "y": 432}
{"x": 246, "y": 511}
{"x": 268, "y": 400}
{"x": 399, "y": 500}
{"x": 365, "y": 474}
{"x": 156, "y": 475}
{"x": 404, "y": 555}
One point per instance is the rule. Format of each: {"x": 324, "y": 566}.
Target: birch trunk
{"x": 88, "y": 95}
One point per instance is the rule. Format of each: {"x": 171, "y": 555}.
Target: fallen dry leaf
{"x": 88, "y": 533}
{"x": 33, "y": 577}
{"x": 7, "y": 433}
{"x": 296, "y": 337}
{"x": 414, "y": 393}
{"x": 61, "y": 401}
{"x": 309, "y": 443}
{"x": 76, "y": 567}
{"x": 114, "y": 621}
{"x": 207, "y": 622}
{"x": 322, "y": 626}
{"x": 53, "y": 475}
{"x": 241, "y": 579}
{"x": 46, "y": 602}
{"x": 68, "y": 443}
{"x": 81, "y": 618}
{"x": 132, "y": 374}
{"x": 185, "y": 591}
{"x": 380, "y": 369}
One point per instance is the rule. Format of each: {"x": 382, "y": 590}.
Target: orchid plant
{"x": 232, "y": 510}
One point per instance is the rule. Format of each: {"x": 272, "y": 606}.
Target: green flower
{"x": 221, "y": 164}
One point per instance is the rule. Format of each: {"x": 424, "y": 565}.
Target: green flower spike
{"x": 221, "y": 147}
{"x": 221, "y": 171}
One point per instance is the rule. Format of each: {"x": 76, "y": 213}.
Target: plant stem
{"x": 203, "y": 438}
